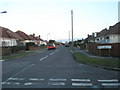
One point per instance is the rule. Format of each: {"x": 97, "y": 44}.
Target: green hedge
{"x": 15, "y": 49}
{"x": 29, "y": 44}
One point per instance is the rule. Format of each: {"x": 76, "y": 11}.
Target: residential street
{"x": 55, "y": 69}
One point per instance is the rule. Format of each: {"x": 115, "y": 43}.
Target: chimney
{"x": 39, "y": 36}
{"x": 93, "y": 34}
{"x": 88, "y": 35}
{"x": 33, "y": 35}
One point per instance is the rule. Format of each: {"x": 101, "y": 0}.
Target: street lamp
{"x": 3, "y": 12}
{"x": 47, "y": 36}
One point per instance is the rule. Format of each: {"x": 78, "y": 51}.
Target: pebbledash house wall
{"x": 114, "y": 51}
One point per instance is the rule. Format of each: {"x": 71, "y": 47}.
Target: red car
{"x": 51, "y": 46}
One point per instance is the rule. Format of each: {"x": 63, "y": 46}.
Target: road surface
{"x": 55, "y": 69}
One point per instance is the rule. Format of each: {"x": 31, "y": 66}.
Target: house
{"x": 39, "y": 41}
{"x": 113, "y": 35}
{"x": 101, "y": 36}
{"x": 30, "y": 38}
{"x": 26, "y": 37}
{"x": 107, "y": 42}
{"x": 8, "y": 37}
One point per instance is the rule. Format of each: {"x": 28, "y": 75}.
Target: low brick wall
{"x": 9, "y": 50}
{"x": 36, "y": 48}
{"x": 6, "y": 51}
{"x": 92, "y": 48}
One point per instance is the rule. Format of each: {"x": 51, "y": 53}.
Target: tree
{"x": 51, "y": 41}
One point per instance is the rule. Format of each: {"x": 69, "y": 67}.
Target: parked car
{"x": 67, "y": 45}
{"x": 51, "y": 46}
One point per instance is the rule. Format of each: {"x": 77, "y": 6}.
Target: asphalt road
{"x": 55, "y": 69}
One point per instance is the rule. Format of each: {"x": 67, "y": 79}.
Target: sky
{"x": 51, "y": 19}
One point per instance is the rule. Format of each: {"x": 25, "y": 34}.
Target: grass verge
{"x": 105, "y": 62}
{"x": 17, "y": 55}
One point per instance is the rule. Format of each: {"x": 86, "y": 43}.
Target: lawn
{"x": 17, "y": 55}
{"x": 105, "y": 62}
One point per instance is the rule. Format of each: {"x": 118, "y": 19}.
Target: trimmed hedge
{"x": 15, "y": 49}
{"x": 29, "y": 44}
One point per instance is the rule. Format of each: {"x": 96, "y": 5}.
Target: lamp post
{"x": 47, "y": 36}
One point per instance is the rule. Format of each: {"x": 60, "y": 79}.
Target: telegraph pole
{"x": 72, "y": 26}
{"x": 69, "y": 35}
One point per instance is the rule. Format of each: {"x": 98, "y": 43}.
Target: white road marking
{"x": 3, "y": 82}
{"x": 36, "y": 79}
{"x": 44, "y": 58}
{"x": 71, "y": 51}
{"x": 57, "y": 80}
{"x": 111, "y": 84}
{"x": 84, "y": 80}
{"x": 57, "y": 50}
{"x": 29, "y": 83}
{"x": 112, "y": 80}
{"x": 52, "y": 53}
{"x": 81, "y": 84}
{"x": 19, "y": 73}
{"x": 16, "y": 78}
{"x": 2, "y": 60}
{"x": 57, "y": 83}
{"x": 13, "y": 83}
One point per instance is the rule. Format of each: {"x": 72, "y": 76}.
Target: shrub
{"x": 15, "y": 49}
{"x": 29, "y": 44}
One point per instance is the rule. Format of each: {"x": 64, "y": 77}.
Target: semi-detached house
{"x": 18, "y": 38}
{"x": 8, "y": 37}
{"x": 111, "y": 35}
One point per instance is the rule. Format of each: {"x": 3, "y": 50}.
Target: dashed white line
{"x": 18, "y": 73}
{"x": 111, "y": 84}
{"x": 112, "y": 80}
{"x": 44, "y": 58}
{"x": 52, "y": 53}
{"x": 29, "y": 83}
{"x": 16, "y": 78}
{"x": 87, "y": 80}
{"x": 13, "y": 83}
{"x": 56, "y": 83}
{"x": 36, "y": 79}
{"x": 57, "y": 79}
{"x": 81, "y": 84}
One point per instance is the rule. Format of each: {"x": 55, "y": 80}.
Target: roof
{"x": 104, "y": 32}
{"x": 9, "y": 34}
{"x": 4, "y": 33}
{"x": 23, "y": 35}
{"x": 32, "y": 37}
{"x": 115, "y": 29}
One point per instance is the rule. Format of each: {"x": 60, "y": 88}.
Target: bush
{"x": 15, "y": 49}
{"x": 29, "y": 44}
